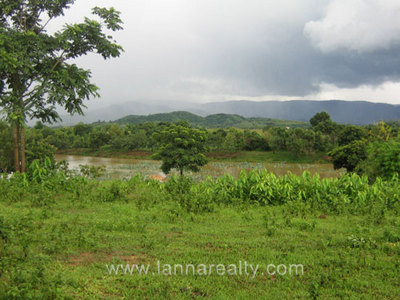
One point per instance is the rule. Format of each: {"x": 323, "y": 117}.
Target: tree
{"x": 5, "y": 148}
{"x": 254, "y": 141}
{"x": 233, "y": 140}
{"x": 350, "y": 155}
{"x": 322, "y": 122}
{"x": 216, "y": 139}
{"x": 320, "y": 117}
{"x": 37, "y": 72}
{"x": 279, "y": 139}
{"x": 301, "y": 141}
{"x": 351, "y": 133}
{"x": 82, "y": 129}
{"x": 181, "y": 147}
{"x": 381, "y": 132}
{"x": 36, "y": 147}
{"x": 383, "y": 160}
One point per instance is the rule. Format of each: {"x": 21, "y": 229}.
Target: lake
{"x": 126, "y": 168}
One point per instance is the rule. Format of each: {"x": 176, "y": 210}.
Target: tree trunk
{"x": 181, "y": 172}
{"x": 16, "y": 139}
{"x": 23, "y": 161}
{"x": 16, "y": 147}
{"x": 19, "y": 148}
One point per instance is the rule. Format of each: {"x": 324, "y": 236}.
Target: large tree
{"x": 37, "y": 69}
{"x": 351, "y": 133}
{"x": 322, "y": 122}
{"x": 181, "y": 147}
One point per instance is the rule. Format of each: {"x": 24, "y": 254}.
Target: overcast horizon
{"x": 206, "y": 51}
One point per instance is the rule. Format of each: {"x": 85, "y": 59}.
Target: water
{"x": 126, "y": 167}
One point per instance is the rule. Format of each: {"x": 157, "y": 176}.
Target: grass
{"x": 72, "y": 243}
{"x": 56, "y": 244}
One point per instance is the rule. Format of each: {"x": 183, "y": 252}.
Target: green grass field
{"x": 69, "y": 245}
{"x": 58, "y": 244}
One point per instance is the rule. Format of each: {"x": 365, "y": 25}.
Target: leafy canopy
{"x": 383, "y": 159}
{"x": 351, "y": 133}
{"x": 350, "y": 155}
{"x": 322, "y": 122}
{"x": 181, "y": 147}
{"x": 37, "y": 72}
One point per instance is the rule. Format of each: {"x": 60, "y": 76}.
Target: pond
{"x": 126, "y": 168}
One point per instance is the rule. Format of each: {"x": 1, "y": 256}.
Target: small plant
{"x": 360, "y": 242}
{"x": 92, "y": 172}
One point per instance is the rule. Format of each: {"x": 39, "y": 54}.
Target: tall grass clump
{"x": 350, "y": 193}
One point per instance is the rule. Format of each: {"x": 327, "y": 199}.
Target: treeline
{"x": 210, "y": 121}
{"x": 348, "y": 145}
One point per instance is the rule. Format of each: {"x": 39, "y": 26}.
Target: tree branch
{"x": 44, "y": 25}
{"x": 59, "y": 60}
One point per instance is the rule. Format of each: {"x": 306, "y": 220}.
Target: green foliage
{"x": 38, "y": 73}
{"x": 6, "y": 154}
{"x": 211, "y": 121}
{"x": 92, "y": 172}
{"x": 300, "y": 194}
{"x": 82, "y": 129}
{"x": 39, "y": 150}
{"x": 37, "y": 67}
{"x": 191, "y": 197}
{"x": 181, "y": 147}
{"x": 36, "y": 147}
{"x": 319, "y": 118}
{"x": 40, "y": 172}
{"x": 59, "y": 230}
{"x": 279, "y": 139}
{"x": 382, "y": 132}
{"x": 109, "y": 137}
{"x": 322, "y": 122}
{"x": 350, "y": 155}
{"x": 350, "y": 134}
{"x": 382, "y": 160}
{"x": 254, "y": 141}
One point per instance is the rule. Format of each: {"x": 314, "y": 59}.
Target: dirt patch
{"x": 87, "y": 258}
{"x": 84, "y": 258}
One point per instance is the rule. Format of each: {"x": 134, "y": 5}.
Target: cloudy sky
{"x": 216, "y": 50}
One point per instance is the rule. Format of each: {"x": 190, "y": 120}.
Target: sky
{"x": 217, "y": 50}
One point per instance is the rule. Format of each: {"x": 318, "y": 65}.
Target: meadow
{"x": 59, "y": 232}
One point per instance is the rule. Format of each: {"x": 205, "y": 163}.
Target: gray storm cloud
{"x": 190, "y": 50}
{"x": 362, "y": 26}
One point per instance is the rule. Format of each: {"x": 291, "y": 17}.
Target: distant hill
{"x": 211, "y": 121}
{"x": 347, "y": 112}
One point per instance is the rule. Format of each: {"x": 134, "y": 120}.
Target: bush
{"x": 383, "y": 160}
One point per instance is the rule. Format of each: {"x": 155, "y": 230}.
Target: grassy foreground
{"x": 57, "y": 235}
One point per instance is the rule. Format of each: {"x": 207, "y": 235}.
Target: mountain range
{"x": 346, "y": 112}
